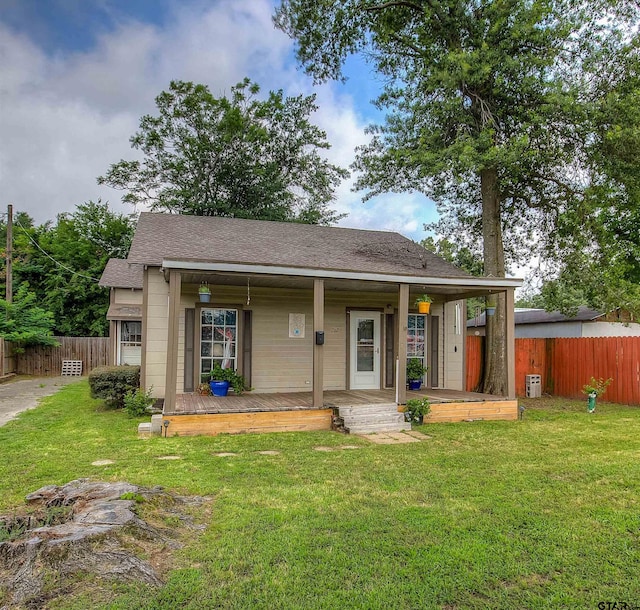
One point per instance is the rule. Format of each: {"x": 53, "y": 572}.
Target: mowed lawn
{"x": 539, "y": 513}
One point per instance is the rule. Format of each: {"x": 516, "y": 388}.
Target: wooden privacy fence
{"x": 565, "y": 365}
{"x": 47, "y": 361}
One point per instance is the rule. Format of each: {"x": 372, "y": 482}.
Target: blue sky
{"x": 77, "y": 75}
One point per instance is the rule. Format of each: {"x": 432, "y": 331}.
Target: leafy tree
{"x": 488, "y": 113}
{"x": 234, "y": 156}
{"x": 463, "y": 257}
{"x": 62, "y": 263}
{"x": 23, "y": 323}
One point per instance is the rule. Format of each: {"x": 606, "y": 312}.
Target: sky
{"x": 77, "y": 75}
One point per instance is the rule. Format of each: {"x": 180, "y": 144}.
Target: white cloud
{"x": 65, "y": 118}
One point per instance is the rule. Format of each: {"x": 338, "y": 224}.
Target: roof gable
{"x": 161, "y": 237}
{"x": 120, "y": 273}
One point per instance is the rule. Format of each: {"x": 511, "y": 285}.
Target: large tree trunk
{"x": 495, "y": 371}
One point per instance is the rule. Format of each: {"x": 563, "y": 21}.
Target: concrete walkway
{"x": 22, "y": 394}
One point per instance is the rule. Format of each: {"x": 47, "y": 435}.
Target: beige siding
{"x": 453, "y": 347}
{"x": 281, "y": 363}
{"x": 437, "y": 309}
{"x": 127, "y": 296}
{"x": 156, "y": 331}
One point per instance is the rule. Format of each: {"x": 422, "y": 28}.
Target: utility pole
{"x": 9, "y": 282}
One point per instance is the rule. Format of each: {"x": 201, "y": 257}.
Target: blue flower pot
{"x": 415, "y": 384}
{"x": 219, "y": 388}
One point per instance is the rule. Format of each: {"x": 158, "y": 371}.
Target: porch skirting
{"x": 209, "y": 424}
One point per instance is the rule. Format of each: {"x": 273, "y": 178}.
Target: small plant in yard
{"x": 417, "y": 410}
{"x": 593, "y": 389}
{"x": 597, "y": 386}
{"x": 129, "y": 495}
{"x": 137, "y": 403}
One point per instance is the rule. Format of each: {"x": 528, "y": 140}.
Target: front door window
{"x": 365, "y": 350}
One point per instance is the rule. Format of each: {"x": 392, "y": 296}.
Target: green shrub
{"x": 417, "y": 410}
{"x": 137, "y": 403}
{"x": 112, "y": 383}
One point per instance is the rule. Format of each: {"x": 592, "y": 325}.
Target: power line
{"x": 37, "y": 245}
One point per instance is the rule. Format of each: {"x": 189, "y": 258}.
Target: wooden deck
{"x": 288, "y": 412}
{"x": 193, "y": 404}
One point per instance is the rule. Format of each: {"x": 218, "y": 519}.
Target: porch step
{"x": 362, "y": 419}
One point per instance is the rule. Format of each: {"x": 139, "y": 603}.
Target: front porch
{"x": 294, "y": 411}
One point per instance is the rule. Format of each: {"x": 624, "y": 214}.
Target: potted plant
{"x": 417, "y": 410}
{"x": 204, "y": 292}
{"x": 221, "y": 379}
{"x": 415, "y": 373}
{"x": 593, "y": 389}
{"x": 423, "y": 302}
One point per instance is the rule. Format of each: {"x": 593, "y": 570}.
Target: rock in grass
{"x": 85, "y": 527}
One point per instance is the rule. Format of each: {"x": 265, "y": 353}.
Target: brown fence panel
{"x": 575, "y": 361}
{"x": 531, "y": 359}
{"x": 47, "y": 361}
{"x": 475, "y": 358}
{"x": 566, "y": 365}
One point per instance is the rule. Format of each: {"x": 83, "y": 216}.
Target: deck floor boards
{"x": 297, "y": 401}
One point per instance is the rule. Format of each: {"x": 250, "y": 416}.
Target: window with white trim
{"x": 218, "y": 339}
{"x": 130, "y": 344}
{"x": 417, "y": 337}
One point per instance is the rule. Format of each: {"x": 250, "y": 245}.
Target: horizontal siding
{"x": 279, "y": 363}
{"x": 128, "y": 296}
{"x": 156, "y": 331}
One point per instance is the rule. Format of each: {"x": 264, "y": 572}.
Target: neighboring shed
{"x": 538, "y": 323}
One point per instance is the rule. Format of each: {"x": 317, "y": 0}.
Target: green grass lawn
{"x": 540, "y": 513}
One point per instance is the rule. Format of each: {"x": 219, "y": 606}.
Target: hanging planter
{"x": 423, "y": 303}
{"x": 205, "y": 293}
{"x": 491, "y": 311}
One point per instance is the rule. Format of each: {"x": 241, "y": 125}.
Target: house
{"x": 312, "y": 316}
{"x": 125, "y": 310}
{"x": 538, "y": 323}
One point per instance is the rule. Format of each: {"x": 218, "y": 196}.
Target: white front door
{"x": 365, "y": 350}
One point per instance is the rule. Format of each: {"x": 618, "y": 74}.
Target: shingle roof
{"x": 121, "y": 274}
{"x": 233, "y": 240}
{"x": 540, "y": 316}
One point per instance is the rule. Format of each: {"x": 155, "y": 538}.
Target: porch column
{"x": 171, "y": 374}
{"x": 318, "y": 354}
{"x": 401, "y": 342}
{"x": 510, "y": 339}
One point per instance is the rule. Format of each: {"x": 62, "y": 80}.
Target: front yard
{"x": 540, "y": 513}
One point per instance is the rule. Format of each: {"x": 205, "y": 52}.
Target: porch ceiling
{"x": 331, "y": 284}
